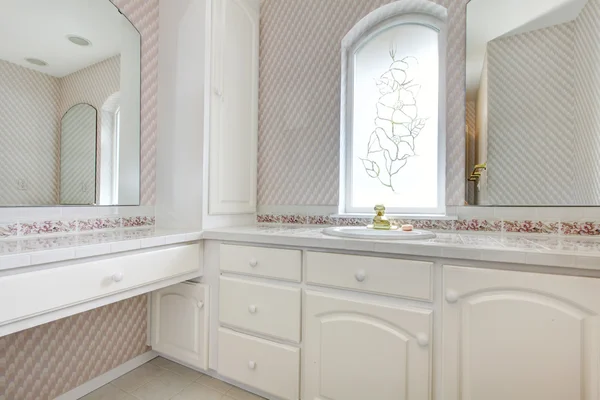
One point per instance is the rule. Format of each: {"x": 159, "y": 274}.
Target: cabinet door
{"x": 520, "y": 336}
{"x": 234, "y": 107}
{"x": 357, "y": 351}
{"x": 180, "y": 323}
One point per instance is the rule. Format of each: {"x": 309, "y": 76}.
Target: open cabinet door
{"x": 180, "y": 323}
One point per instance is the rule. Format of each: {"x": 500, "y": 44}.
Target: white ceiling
{"x": 490, "y": 19}
{"x": 38, "y": 29}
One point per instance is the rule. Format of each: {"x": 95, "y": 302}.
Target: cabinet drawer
{"x": 404, "y": 278}
{"x": 39, "y": 291}
{"x": 260, "y": 261}
{"x": 271, "y": 367}
{"x": 262, "y": 308}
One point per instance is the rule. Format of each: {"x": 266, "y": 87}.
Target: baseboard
{"x": 108, "y": 377}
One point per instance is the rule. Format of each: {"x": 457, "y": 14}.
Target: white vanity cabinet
{"x": 180, "y": 323}
{"x": 520, "y": 336}
{"x": 356, "y": 350}
{"x": 234, "y": 107}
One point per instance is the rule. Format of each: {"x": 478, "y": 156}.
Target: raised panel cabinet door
{"x": 180, "y": 323}
{"x": 519, "y": 336}
{"x": 234, "y": 107}
{"x": 358, "y": 350}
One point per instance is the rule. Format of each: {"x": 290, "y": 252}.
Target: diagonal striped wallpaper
{"x": 299, "y": 98}
{"x": 530, "y": 117}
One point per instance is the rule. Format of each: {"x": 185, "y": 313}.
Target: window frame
{"x": 382, "y": 19}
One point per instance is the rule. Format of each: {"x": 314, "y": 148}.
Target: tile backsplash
{"x": 23, "y": 225}
{"x": 497, "y": 225}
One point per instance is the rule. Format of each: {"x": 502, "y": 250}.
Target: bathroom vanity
{"x": 47, "y": 285}
{"x": 295, "y": 314}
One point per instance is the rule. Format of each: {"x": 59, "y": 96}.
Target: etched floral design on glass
{"x": 398, "y": 123}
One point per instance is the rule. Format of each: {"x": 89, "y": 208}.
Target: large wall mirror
{"x": 69, "y": 104}
{"x": 533, "y": 102}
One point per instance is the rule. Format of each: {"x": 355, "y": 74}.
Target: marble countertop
{"x": 541, "y": 250}
{"x": 31, "y": 251}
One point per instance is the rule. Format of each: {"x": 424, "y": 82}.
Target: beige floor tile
{"x": 239, "y": 394}
{"x": 213, "y": 383}
{"x": 198, "y": 392}
{"x": 163, "y": 362}
{"x": 163, "y": 387}
{"x": 138, "y": 377}
{"x": 182, "y": 370}
{"x": 108, "y": 392}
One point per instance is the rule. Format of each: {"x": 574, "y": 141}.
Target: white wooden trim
{"x": 108, "y": 377}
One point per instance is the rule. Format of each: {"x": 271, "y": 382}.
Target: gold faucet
{"x": 381, "y": 221}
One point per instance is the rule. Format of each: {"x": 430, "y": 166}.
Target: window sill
{"x": 436, "y": 217}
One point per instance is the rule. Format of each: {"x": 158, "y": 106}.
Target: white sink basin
{"x": 362, "y": 232}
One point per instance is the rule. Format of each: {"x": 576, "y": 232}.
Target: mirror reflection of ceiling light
{"x": 78, "y": 40}
{"x": 36, "y": 61}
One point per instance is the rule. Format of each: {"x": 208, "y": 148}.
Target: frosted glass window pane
{"x": 394, "y": 150}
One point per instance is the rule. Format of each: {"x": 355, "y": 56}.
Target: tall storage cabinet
{"x": 234, "y": 107}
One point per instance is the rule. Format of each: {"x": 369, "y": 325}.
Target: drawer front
{"x": 260, "y": 261}
{"x": 39, "y": 291}
{"x": 262, "y": 308}
{"x": 271, "y": 367}
{"x": 404, "y": 278}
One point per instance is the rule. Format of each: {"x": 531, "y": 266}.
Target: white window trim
{"x": 420, "y": 12}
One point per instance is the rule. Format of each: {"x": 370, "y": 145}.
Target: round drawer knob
{"x": 451, "y": 296}
{"x": 423, "y": 340}
{"x": 200, "y": 304}
{"x": 251, "y": 365}
{"x": 253, "y": 262}
{"x": 252, "y": 309}
{"x": 117, "y": 277}
{"x": 360, "y": 276}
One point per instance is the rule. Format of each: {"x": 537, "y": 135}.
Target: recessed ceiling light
{"x": 36, "y": 61}
{"x": 78, "y": 40}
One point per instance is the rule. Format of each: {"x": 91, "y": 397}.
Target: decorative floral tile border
{"x": 572, "y": 228}
{"x": 48, "y": 227}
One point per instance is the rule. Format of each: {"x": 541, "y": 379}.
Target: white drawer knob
{"x": 252, "y": 309}
{"x": 423, "y": 340}
{"x": 200, "y": 304}
{"x": 360, "y": 276}
{"x": 251, "y": 365}
{"x": 253, "y": 263}
{"x": 117, "y": 277}
{"x": 451, "y": 296}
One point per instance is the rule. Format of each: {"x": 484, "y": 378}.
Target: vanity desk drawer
{"x": 54, "y": 288}
{"x": 259, "y": 261}
{"x": 403, "y": 278}
{"x": 262, "y": 308}
{"x": 271, "y": 367}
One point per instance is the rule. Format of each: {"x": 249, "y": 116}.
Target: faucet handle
{"x": 380, "y": 208}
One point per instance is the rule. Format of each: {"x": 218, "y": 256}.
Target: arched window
{"x": 393, "y": 110}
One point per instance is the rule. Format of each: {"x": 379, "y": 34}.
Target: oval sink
{"x": 362, "y": 232}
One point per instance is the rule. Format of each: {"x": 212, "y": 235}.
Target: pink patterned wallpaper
{"x": 299, "y": 99}
{"x": 29, "y": 125}
{"x": 46, "y": 361}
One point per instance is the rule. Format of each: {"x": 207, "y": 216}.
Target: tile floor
{"x": 161, "y": 379}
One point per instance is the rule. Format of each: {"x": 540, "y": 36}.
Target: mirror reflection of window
{"x": 89, "y": 52}
{"x": 78, "y": 156}
{"x": 109, "y": 154}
